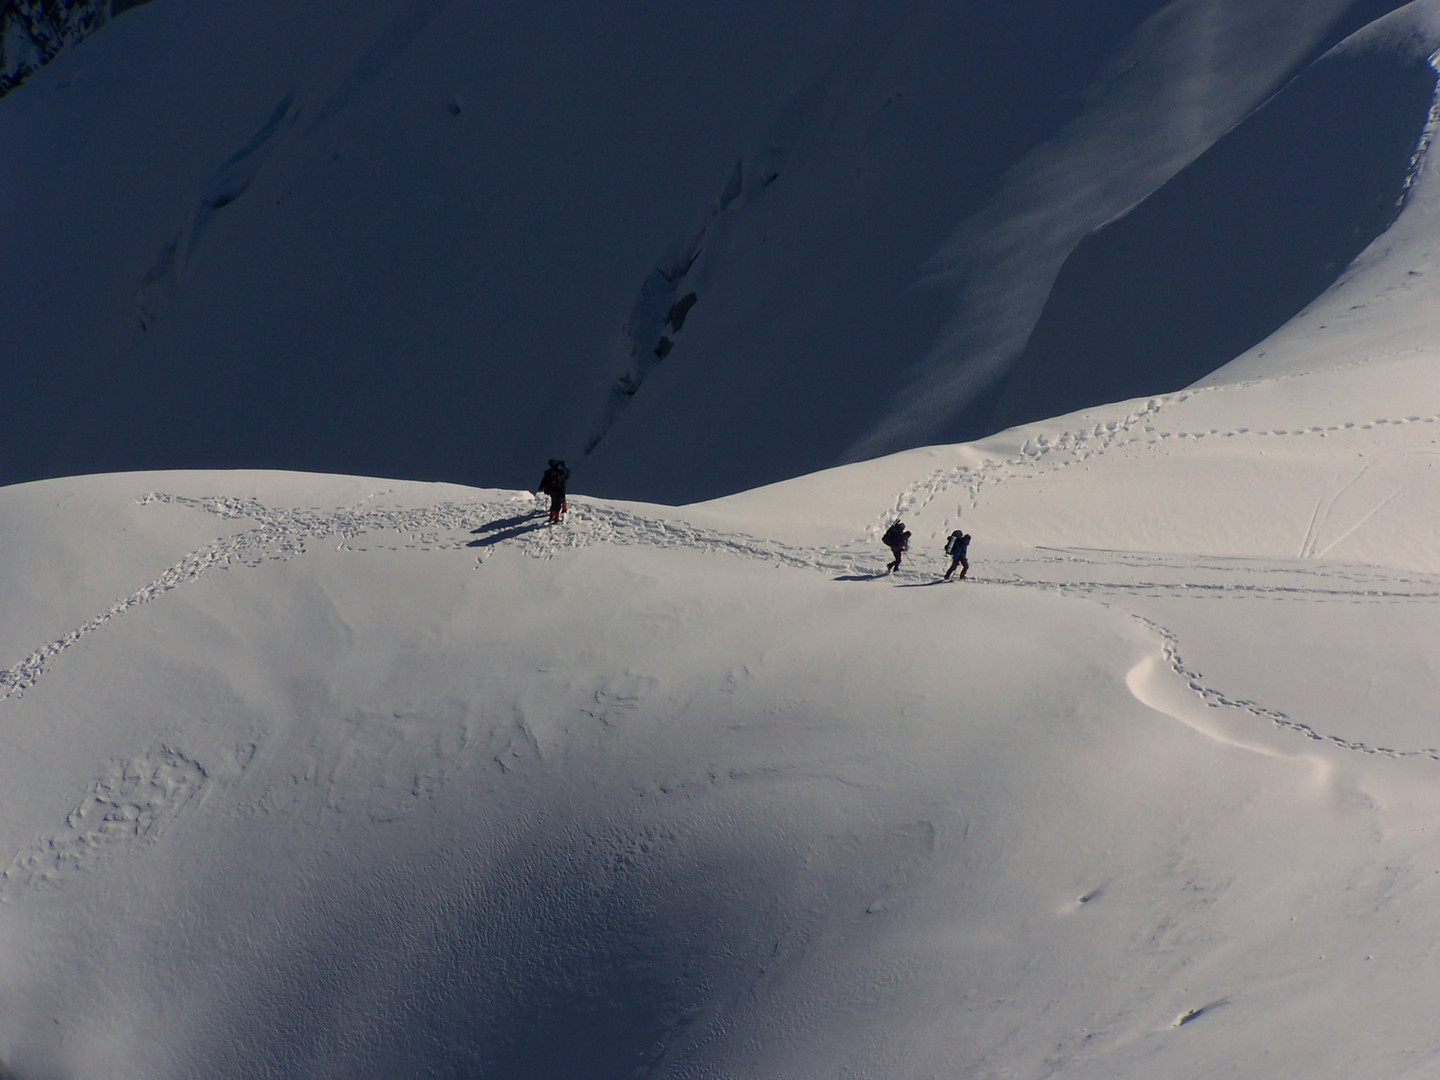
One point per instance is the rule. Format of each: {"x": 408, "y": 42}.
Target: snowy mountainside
{"x": 1226, "y": 252}
{"x": 322, "y": 776}
{"x": 1384, "y": 304}
{"x": 444, "y": 241}
{"x": 915, "y": 317}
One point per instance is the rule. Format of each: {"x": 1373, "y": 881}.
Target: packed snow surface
{"x": 317, "y": 776}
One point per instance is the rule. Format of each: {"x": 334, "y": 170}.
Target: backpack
{"x": 554, "y": 479}
{"x": 892, "y": 535}
{"x": 956, "y": 545}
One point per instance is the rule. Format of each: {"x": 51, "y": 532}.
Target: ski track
{"x": 280, "y": 534}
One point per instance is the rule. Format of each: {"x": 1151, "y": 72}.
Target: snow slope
{"x": 1227, "y": 252}
{"x": 436, "y": 240}
{"x": 310, "y": 776}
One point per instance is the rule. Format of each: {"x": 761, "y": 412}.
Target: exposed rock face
{"x": 34, "y": 32}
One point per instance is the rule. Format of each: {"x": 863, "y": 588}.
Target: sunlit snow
{"x": 310, "y": 775}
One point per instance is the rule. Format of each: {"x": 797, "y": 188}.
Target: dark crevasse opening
{"x": 1234, "y": 246}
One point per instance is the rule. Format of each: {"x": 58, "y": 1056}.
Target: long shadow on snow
{"x": 510, "y": 522}
{"x": 505, "y": 533}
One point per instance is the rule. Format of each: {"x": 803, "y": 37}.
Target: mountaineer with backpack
{"x": 553, "y": 484}
{"x": 897, "y": 539}
{"x": 956, "y": 547}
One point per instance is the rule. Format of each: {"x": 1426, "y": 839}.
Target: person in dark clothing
{"x": 897, "y": 539}
{"x": 957, "y": 547}
{"x": 553, "y": 484}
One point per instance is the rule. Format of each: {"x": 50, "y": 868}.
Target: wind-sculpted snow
{"x": 1212, "y": 698}
{"x": 1234, "y": 246}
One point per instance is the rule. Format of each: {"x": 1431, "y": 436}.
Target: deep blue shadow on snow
{"x": 1234, "y": 246}
{"x": 569, "y": 947}
{"x": 514, "y": 977}
{"x": 374, "y": 372}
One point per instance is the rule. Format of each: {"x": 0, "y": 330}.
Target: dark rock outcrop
{"x": 34, "y": 32}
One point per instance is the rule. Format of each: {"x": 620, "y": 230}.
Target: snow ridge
{"x": 281, "y": 533}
